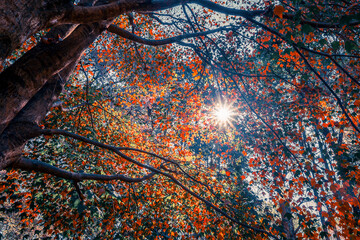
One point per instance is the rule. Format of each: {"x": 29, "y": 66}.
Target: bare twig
{"x": 130, "y": 36}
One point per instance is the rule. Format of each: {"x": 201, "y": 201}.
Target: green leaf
{"x": 323, "y": 234}
{"x": 350, "y": 45}
{"x": 335, "y": 45}
{"x": 322, "y": 42}
{"x": 307, "y": 29}
{"x": 76, "y": 203}
{"x": 81, "y": 207}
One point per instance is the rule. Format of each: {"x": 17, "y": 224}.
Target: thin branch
{"x": 303, "y": 21}
{"x": 59, "y": 104}
{"x": 295, "y": 45}
{"x": 344, "y": 70}
{"x": 78, "y": 190}
{"x": 338, "y": 100}
{"x": 130, "y": 36}
{"x": 173, "y": 162}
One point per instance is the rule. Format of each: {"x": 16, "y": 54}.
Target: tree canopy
{"x": 155, "y": 119}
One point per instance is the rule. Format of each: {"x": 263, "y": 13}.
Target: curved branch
{"x": 88, "y": 14}
{"x": 39, "y": 166}
{"x": 130, "y": 36}
{"x": 22, "y": 80}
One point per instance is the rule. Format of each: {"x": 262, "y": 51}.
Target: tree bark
{"x": 22, "y": 18}
{"x": 29, "y": 87}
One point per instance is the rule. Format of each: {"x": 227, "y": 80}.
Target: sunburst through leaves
{"x": 223, "y": 114}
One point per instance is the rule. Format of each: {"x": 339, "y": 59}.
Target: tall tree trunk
{"x": 29, "y": 87}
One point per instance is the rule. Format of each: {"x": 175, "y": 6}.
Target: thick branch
{"x": 21, "y": 81}
{"x": 89, "y": 14}
{"x": 39, "y": 166}
{"x": 80, "y": 14}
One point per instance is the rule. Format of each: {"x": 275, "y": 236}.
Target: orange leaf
{"x": 278, "y": 11}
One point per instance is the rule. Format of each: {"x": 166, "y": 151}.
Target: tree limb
{"x": 83, "y": 14}
{"x": 39, "y": 166}
{"x": 130, "y": 36}
{"x": 59, "y": 104}
{"x": 303, "y": 21}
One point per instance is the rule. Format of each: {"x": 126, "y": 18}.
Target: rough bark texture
{"x": 21, "y": 19}
{"x": 29, "y": 87}
{"x": 20, "y": 82}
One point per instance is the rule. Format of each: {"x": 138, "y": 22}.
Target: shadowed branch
{"x": 130, "y": 36}
{"x": 39, "y": 166}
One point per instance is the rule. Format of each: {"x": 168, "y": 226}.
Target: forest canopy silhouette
{"x": 179, "y": 119}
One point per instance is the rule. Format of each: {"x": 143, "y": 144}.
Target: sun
{"x": 223, "y": 114}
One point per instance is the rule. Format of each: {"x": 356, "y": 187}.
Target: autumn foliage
{"x": 130, "y": 145}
